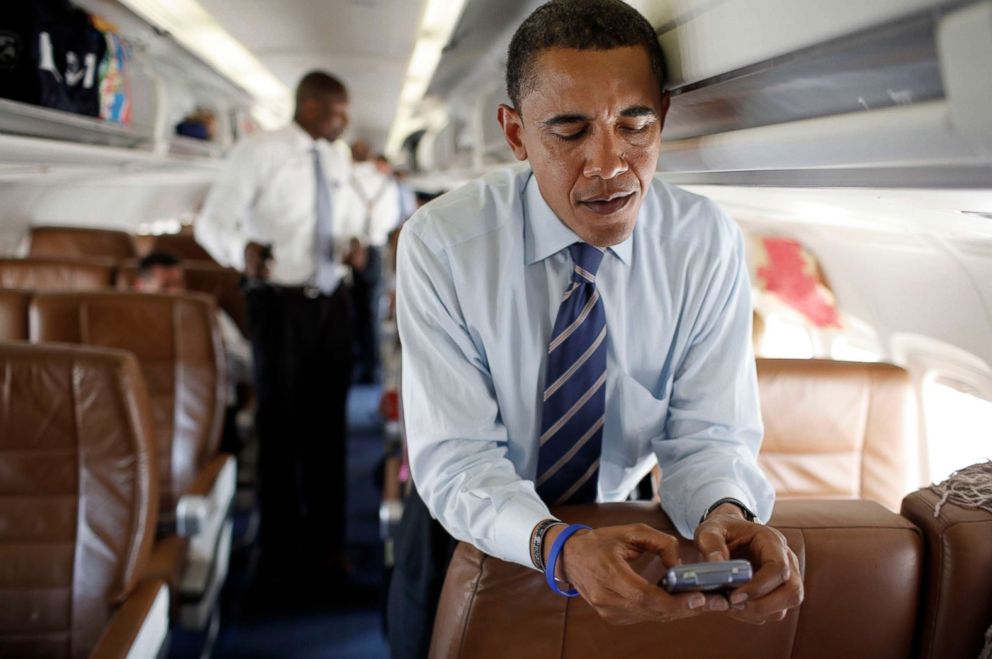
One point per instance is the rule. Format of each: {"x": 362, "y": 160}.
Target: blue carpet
{"x": 321, "y": 620}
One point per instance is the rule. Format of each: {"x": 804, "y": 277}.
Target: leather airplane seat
{"x": 837, "y": 430}
{"x": 178, "y": 348}
{"x": 873, "y": 580}
{"x": 56, "y": 274}
{"x": 78, "y": 504}
{"x": 80, "y": 241}
{"x": 14, "y": 314}
{"x": 223, "y": 284}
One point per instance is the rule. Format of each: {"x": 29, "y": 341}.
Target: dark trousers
{"x": 423, "y": 552}
{"x": 303, "y": 359}
{"x": 365, "y": 292}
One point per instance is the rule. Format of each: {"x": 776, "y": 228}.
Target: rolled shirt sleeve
{"x": 457, "y": 442}
{"x": 713, "y": 431}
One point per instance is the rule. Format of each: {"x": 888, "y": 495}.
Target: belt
{"x": 307, "y": 291}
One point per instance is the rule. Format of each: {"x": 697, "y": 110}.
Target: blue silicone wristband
{"x": 549, "y": 569}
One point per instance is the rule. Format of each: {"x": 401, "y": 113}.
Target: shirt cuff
{"x": 513, "y": 528}
{"x": 687, "y": 520}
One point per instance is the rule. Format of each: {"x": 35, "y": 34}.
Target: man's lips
{"x": 609, "y": 203}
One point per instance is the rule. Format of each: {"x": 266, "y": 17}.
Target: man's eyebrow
{"x": 638, "y": 111}
{"x": 560, "y": 119}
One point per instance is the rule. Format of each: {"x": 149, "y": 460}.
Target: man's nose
{"x": 605, "y": 158}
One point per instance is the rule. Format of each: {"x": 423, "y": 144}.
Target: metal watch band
{"x": 537, "y": 541}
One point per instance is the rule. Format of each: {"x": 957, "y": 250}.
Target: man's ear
{"x": 513, "y": 127}
{"x": 666, "y": 101}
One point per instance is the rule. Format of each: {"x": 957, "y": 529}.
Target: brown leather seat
{"x": 78, "y": 503}
{"x": 175, "y": 340}
{"x": 183, "y": 245}
{"x": 79, "y": 241}
{"x": 177, "y": 344}
{"x": 862, "y": 568}
{"x": 837, "y": 430}
{"x": 959, "y": 568}
{"x": 56, "y": 274}
{"x": 14, "y": 314}
{"x": 223, "y": 284}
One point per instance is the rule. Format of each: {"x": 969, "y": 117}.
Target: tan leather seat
{"x": 177, "y": 345}
{"x": 79, "y": 241}
{"x": 56, "y": 274}
{"x": 14, "y": 314}
{"x": 837, "y": 430}
{"x": 78, "y": 503}
{"x": 862, "y": 567}
{"x": 959, "y": 562}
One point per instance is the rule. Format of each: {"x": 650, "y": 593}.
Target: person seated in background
{"x": 162, "y": 272}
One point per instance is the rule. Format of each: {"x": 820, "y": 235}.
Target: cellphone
{"x": 716, "y": 575}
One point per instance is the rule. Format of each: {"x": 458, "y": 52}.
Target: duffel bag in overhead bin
{"x": 50, "y": 55}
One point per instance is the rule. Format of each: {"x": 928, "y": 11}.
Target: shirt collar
{"x": 545, "y": 234}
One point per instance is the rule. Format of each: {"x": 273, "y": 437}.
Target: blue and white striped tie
{"x": 575, "y": 389}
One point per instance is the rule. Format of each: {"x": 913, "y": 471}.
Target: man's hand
{"x": 257, "y": 257}
{"x": 597, "y": 564}
{"x": 777, "y": 585}
{"x": 357, "y": 255}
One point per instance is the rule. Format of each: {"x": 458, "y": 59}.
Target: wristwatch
{"x": 748, "y": 515}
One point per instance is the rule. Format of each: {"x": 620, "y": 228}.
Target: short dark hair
{"x": 157, "y": 259}
{"x": 582, "y": 25}
{"x": 319, "y": 83}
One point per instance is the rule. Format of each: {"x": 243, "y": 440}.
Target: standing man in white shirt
{"x": 380, "y": 197}
{"x": 281, "y": 211}
{"x": 570, "y": 323}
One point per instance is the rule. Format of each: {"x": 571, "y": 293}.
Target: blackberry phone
{"x": 715, "y": 575}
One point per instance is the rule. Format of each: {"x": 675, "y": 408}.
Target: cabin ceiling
{"x": 367, "y": 43}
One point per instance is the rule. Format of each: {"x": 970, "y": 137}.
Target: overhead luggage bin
{"x": 881, "y": 94}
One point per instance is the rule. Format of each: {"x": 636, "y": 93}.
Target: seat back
{"x": 56, "y": 274}
{"x": 80, "y": 241}
{"x": 838, "y": 430}
{"x": 177, "y": 345}
{"x": 77, "y": 494}
{"x": 223, "y": 284}
{"x": 14, "y": 314}
{"x": 490, "y": 608}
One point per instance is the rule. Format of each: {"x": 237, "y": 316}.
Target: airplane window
{"x": 957, "y": 424}
{"x": 785, "y": 339}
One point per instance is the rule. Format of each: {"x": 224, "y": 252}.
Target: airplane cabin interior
{"x": 850, "y": 142}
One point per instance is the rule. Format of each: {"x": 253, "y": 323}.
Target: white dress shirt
{"x": 380, "y": 196}
{"x": 482, "y": 271}
{"x": 266, "y": 194}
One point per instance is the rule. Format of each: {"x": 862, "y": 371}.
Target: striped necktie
{"x": 325, "y": 272}
{"x": 575, "y": 389}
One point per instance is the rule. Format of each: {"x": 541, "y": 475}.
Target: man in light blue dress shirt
{"x": 481, "y": 276}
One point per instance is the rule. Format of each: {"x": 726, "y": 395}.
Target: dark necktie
{"x": 325, "y": 273}
{"x": 575, "y": 389}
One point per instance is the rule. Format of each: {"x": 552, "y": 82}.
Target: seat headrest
{"x": 56, "y": 274}
{"x": 80, "y": 241}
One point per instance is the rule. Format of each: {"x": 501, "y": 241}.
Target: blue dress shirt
{"x": 481, "y": 273}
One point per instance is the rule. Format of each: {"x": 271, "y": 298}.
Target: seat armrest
{"x": 958, "y": 558}
{"x": 209, "y": 498}
{"x": 139, "y": 627}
